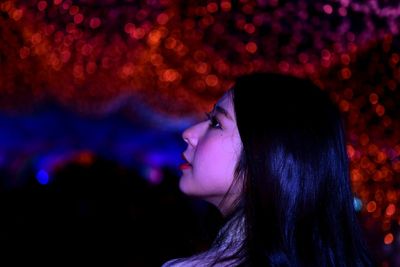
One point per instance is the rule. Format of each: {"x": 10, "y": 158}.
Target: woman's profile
{"x": 271, "y": 156}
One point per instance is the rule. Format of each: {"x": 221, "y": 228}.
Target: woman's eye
{"x": 214, "y": 123}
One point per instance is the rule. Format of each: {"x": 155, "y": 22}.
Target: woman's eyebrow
{"x": 222, "y": 111}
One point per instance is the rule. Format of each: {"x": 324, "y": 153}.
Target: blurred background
{"x": 94, "y": 96}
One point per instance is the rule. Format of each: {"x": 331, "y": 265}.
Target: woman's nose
{"x": 191, "y": 135}
{"x": 188, "y": 137}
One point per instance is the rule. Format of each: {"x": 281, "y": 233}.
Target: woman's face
{"x": 213, "y": 150}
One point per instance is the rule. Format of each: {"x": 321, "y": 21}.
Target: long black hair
{"x": 297, "y": 202}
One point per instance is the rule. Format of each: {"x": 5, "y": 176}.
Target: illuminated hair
{"x": 297, "y": 201}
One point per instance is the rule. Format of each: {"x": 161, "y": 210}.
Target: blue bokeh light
{"x": 42, "y": 177}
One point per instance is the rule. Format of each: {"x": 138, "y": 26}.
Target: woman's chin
{"x": 184, "y": 185}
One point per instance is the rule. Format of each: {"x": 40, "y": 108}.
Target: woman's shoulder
{"x": 203, "y": 259}
{"x": 186, "y": 262}
{"x": 172, "y": 263}
{"x": 228, "y": 241}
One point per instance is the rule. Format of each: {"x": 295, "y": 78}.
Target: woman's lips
{"x": 185, "y": 166}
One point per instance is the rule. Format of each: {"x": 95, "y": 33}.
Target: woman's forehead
{"x": 225, "y": 106}
{"x": 225, "y": 100}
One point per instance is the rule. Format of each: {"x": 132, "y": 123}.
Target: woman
{"x": 271, "y": 156}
